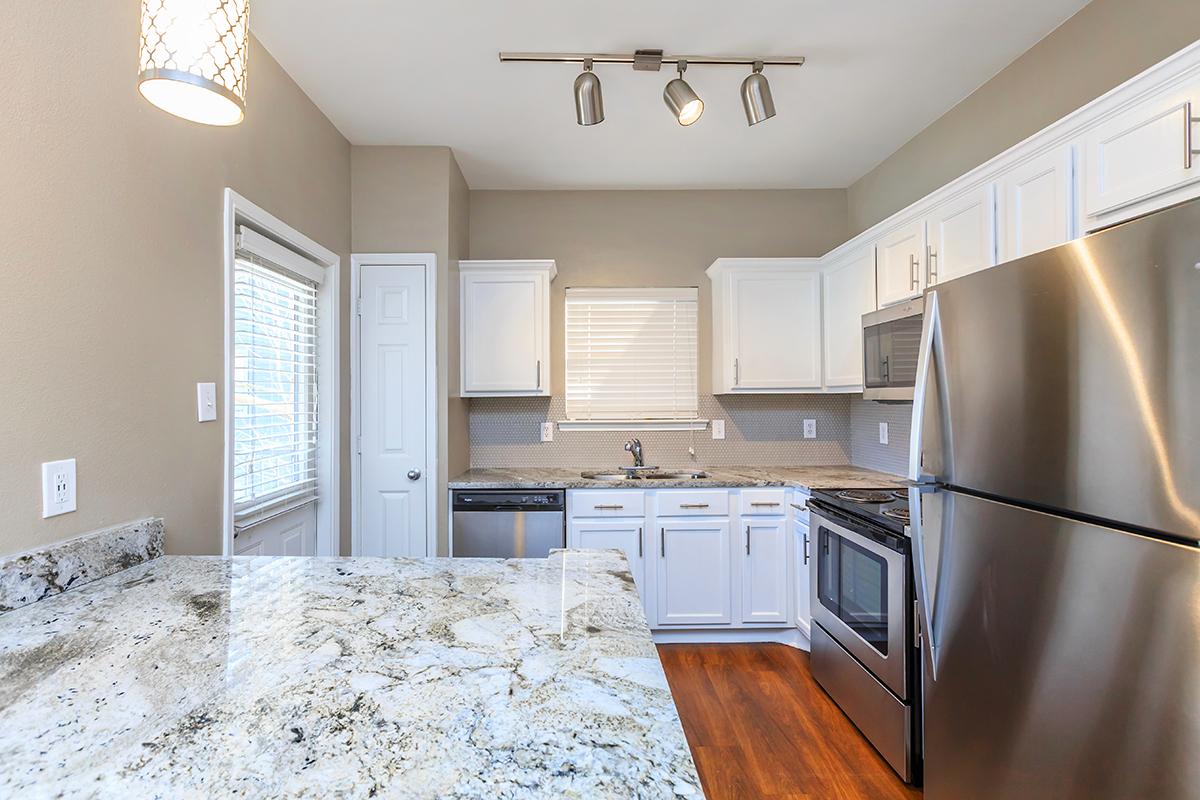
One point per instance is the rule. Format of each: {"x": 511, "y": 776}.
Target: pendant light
{"x": 589, "y": 102}
{"x": 684, "y": 103}
{"x": 756, "y": 96}
{"x": 192, "y": 58}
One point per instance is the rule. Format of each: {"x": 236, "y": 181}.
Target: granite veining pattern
{"x": 307, "y": 677}
{"x": 37, "y": 574}
{"x": 816, "y": 477}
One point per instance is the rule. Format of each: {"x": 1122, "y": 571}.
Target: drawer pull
{"x": 693, "y": 505}
{"x": 607, "y": 508}
{"x": 772, "y": 505}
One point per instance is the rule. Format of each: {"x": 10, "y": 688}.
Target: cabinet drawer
{"x": 763, "y": 501}
{"x": 689, "y": 503}
{"x": 607, "y": 503}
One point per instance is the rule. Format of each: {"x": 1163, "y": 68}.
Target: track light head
{"x": 756, "y": 96}
{"x": 683, "y": 101}
{"x": 589, "y": 101}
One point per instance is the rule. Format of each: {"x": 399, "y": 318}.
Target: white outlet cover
{"x": 547, "y": 431}
{"x": 206, "y": 402}
{"x": 718, "y": 429}
{"x": 810, "y": 429}
{"x": 883, "y": 433}
{"x": 58, "y": 487}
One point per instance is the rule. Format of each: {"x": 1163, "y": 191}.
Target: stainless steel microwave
{"x": 891, "y": 342}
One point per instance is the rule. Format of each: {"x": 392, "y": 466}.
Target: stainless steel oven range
{"x": 864, "y": 647}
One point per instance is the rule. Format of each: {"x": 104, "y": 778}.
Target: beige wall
{"x": 111, "y": 259}
{"x": 414, "y": 200}
{"x": 651, "y": 238}
{"x": 1104, "y": 44}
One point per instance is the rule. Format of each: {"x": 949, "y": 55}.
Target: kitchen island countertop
{"x": 322, "y": 677}
{"x": 802, "y": 477}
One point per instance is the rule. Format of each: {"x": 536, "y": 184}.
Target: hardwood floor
{"x": 760, "y": 727}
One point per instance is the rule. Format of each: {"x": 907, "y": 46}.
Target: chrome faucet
{"x": 634, "y": 448}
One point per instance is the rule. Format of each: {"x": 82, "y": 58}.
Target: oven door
{"x": 859, "y": 593}
{"x": 891, "y": 344}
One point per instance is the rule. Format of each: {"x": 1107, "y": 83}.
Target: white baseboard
{"x": 789, "y": 636}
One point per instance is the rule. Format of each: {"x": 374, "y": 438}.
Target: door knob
{"x": 414, "y": 474}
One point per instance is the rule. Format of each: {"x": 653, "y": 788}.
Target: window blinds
{"x": 631, "y": 354}
{"x": 274, "y": 387}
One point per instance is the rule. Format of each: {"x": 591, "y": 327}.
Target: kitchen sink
{"x": 644, "y": 476}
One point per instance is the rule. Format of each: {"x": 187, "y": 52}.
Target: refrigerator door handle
{"x": 929, "y": 327}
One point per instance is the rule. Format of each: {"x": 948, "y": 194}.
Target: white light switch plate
{"x": 718, "y": 429}
{"x": 547, "y": 431}
{"x": 883, "y": 433}
{"x": 206, "y": 402}
{"x": 58, "y": 487}
{"x": 810, "y": 429}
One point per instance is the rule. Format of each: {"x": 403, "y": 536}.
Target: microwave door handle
{"x": 930, "y": 328}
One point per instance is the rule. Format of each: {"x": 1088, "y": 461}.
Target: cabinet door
{"x": 775, "y": 329}
{"x": 849, "y": 292}
{"x": 1037, "y": 201}
{"x": 694, "y": 573}
{"x": 504, "y": 333}
{"x": 765, "y": 571}
{"x": 962, "y": 236}
{"x": 628, "y": 536}
{"x": 1142, "y": 152}
{"x": 803, "y": 559}
{"x": 901, "y": 256}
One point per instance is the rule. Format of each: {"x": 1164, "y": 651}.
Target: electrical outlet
{"x": 58, "y": 487}
{"x": 206, "y": 402}
{"x": 547, "y": 431}
{"x": 810, "y": 429}
{"x": 883, "y": 433}
{"x": 718, "y": 429}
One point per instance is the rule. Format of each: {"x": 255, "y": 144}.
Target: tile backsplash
{"x": 759, "y": 429}
{"x": 865, "y": 449}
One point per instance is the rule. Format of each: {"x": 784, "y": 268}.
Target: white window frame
{"x": 240, "y": 211}
{"x": 633, "y": 424}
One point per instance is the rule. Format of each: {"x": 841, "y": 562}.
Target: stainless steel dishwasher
{"x": 493, "y": 523}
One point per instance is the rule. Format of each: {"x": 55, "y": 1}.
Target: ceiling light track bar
{"x": 631, "y": 58}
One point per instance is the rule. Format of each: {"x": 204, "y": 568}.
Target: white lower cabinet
{"x": 628, "y": 536}
{"x": 694, "y": 572}
{"x": 765, "y": 585}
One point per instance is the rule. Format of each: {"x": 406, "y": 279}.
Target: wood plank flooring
{"x": 761, "y": 728}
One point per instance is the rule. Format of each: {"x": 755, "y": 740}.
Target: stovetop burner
{"x": 866, "y": 496}
{"x": 897, "y": 513}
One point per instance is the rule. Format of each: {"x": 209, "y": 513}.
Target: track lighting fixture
{"x": 683, "y": 101}
{"x": 589, "y": 102}
{"x": 756, "y": 96}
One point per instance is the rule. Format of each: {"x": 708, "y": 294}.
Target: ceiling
{"x": 878, "y": 72}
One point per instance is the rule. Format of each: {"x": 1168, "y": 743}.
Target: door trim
{"x": 329, "y": 376}
{"x": 432, "y": 413}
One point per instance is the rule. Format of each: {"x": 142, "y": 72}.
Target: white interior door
{"x": 393, "y": 483}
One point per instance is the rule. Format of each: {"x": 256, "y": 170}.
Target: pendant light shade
{"x": 756, "y": 97}
{"x": 589, "y": 102}
{"x": 192, "y": 60}
{"x": 684, "y": 103}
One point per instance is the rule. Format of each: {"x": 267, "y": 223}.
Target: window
{"x": 274, "y": 379}
{"x": 631, "y": 354}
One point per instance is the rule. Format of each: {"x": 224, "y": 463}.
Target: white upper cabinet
{"x": 848, "y": 287}
{"x": 1144, "y": 151}
{"x": 766, "y": 325}
{"x": 961, "y": 236}
{"x": 1037, "y": 202}
{"x": 900, "y": 267}
{"x": 505, "y": 334}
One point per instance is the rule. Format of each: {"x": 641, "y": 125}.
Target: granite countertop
{"x": 814, "y": 477}
{"x": 271, "y": 677}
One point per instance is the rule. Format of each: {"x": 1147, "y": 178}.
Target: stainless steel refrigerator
{"x": 1056, "y": 432}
